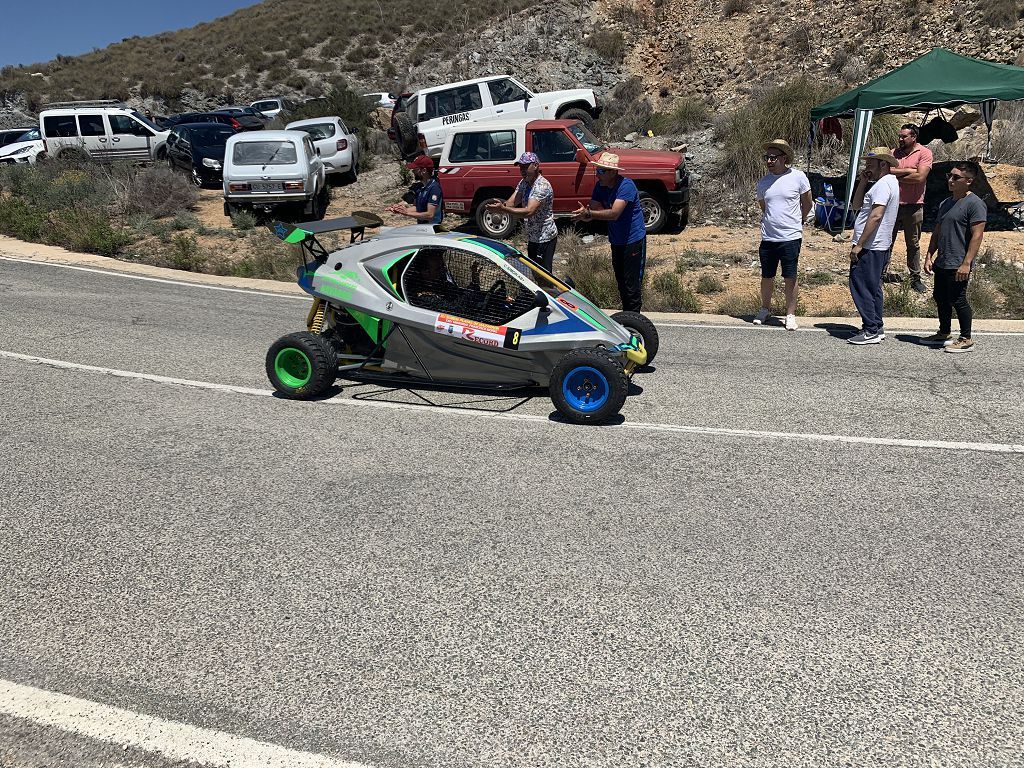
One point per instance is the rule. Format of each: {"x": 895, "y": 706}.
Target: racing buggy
{"x": 421, "y": 306}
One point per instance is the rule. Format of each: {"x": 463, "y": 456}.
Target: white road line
{"x": 524, "y": 417}
{"x": 165, "y": 281}
{"x": 165, "y": 738}
{"x": 852, "y": 321}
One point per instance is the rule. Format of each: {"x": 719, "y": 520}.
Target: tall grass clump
{"x": 1000, "y": 13}
{"x": 780, "y": 112}
{"x": 685, "y": 115}
{"x": 666, "y": 293}
{"x": 590, "y": 269}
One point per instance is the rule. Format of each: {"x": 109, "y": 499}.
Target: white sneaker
{"x": 791, "y": 323}
{"x": 762, "y": 315}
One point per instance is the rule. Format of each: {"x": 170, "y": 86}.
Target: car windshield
{"x": 214, "y": 135}
{"x": 146, "y": 121}
{"x": 318, "y": 131}
{"x": 586, "y": 138}
{"x": 264, "y": 153}
{"x": 32, "y": 135}
{"x": 262, "y": 105}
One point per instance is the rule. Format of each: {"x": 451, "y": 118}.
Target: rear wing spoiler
{"x": 304, "y": 234}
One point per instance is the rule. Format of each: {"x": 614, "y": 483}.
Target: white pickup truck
{"x": 425, "y": 123}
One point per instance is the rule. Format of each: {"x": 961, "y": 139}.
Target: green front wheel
{"x": 302, "y": 365}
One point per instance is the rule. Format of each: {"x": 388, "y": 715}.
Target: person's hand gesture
{"x": 929, "y": 260}
{"x": 963, "y": 273}
{"x": 496, "y": 205}
{"x": 580, "y": 213}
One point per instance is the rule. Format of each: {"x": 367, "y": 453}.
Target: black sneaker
{"x": 918, "y": 285}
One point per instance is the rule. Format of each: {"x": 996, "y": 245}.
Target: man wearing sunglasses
{"x": 872, "y": 240}
{"x": 959, "y": 228}
{"x": 915, "y": 163}
{"x": 532, "y": 200}
{"x": 784, "y": 195}
{"x": 615, "y": 199}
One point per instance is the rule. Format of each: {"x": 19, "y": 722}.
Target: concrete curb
{"x": 17, "y": 249}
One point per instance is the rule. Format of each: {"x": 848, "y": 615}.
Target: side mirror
{"x": 540, "y": 300}
{"x": 582, "y": 157}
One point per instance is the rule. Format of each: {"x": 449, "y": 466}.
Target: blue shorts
{"x": 773, "y": 253}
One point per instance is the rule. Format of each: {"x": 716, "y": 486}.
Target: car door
{"x": 509, "y": 99}
{"x": 572, "y": 181}
{"x": 93, "y": 130}
{"x": 130, "y": 139}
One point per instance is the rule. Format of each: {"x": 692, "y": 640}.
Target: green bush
{"x": 710, "y": 284}
{"x": 609, "y": 44}
{"x": 820, "y": 277}
{"x": 666, "y": 293}
{"x": 340, "y": 101}
{"x": 82, "y": 228}
{"x": 686, "y": 115}
{"x": 155, "y": 190}
{"x": 591, "y": 270}
{"x": 243, "y": 220}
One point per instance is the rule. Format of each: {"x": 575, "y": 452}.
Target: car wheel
{"x": 197, "y": 179}
{"x": 655, "y": 214}
{"x": 320, "y": 203}
{"x": 302, "y": 365}
{"x": 588, "y": 386}
{"x": 494, "y": 224}
{"x": 578, "y": 114}
{"x": 406, "y": 132}
{"x": 636, "y": 323}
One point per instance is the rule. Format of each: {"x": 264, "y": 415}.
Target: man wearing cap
{"x": 532, "y": 201}
{"x": 429, "y": 205}
{"x": 872, "y": 240}
{"x": 784, "y": 195}
{"x": 915, "y": 163}
{"x": 616, "y": 200}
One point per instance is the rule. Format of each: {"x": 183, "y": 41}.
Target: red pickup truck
{"x": 476, "y": 167}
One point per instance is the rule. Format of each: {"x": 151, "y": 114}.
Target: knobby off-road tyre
{"x": 588, "y": 386}
{"x": 577, "y": 113}
{"x": 302, "y": 366}
{"x": 406, "y": 132}
{"x": 642, "y": 327}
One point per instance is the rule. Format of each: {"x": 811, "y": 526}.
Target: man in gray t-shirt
{"x": 959, "y": 228}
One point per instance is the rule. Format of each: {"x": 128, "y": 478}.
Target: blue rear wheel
{"x": 588, "y": 386}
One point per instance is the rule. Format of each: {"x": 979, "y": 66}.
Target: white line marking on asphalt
{"x": 166, "y": 738}
{"x": 853, "y": 320}
{"x": 163, "y": 280}
{"x": 521, "y": 417}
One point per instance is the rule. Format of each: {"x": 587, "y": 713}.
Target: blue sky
{"x": 34, "y": 32}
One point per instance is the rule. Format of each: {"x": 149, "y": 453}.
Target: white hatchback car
{"x": 339, "y": 147}
{"x": 278, "y": 171}
{"x": 27, "y": 149}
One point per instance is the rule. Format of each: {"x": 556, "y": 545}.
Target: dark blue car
{"x": 198, "y": 150}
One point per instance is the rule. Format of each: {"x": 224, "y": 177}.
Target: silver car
{"x": 339, "y": 147}
{"x": 277, "y": 171}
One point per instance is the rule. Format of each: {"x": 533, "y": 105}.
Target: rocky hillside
{"x": 720, "y": 51}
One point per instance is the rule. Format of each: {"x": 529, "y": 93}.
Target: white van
{"x": 103, "y": 130}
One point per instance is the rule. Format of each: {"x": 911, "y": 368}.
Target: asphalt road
{"x": 426, "y": 586}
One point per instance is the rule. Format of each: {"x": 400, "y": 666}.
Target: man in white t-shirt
{"x": 872, "y": 240}
{"x": 784, "y": 195}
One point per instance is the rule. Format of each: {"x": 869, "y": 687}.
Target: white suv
{"x": 431, "y": 112}
{"x": 103, "y": 130}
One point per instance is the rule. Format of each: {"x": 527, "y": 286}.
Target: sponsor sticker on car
{"x": 478, "y": 333}
{"x": 460, "y": 117}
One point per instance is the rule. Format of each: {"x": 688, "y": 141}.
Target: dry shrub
{"x": 590, "y": 269}
{"x": 609, "y": 44}
{"x": 157, "y": 191}
{"x": 710, "y": 284}
{"x": 666, "y": 293}
{"x": 732, "y": 7}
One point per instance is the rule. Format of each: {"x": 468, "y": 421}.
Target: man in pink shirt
{"x": 912, "y": 174}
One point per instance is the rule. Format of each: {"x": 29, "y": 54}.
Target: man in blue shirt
{"x": 616, "y": 200}
{"x": 429, "y": 206}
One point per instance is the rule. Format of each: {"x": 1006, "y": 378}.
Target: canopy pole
{"x": 988, "y": 110}
{"x": 861, "y": 127}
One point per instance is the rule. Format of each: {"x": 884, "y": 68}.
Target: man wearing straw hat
{"x": 872, "y": 240}
{"x": 784, "y": 195}
{"x": 616, "y": 200}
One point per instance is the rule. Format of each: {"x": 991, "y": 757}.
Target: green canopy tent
{"x": 939, "y": 78}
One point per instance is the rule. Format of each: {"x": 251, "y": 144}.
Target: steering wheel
{"x": 497, "y": 289}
